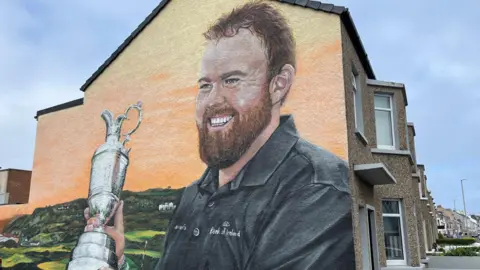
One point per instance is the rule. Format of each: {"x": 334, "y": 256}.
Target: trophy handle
{"x": 138, "y": 108}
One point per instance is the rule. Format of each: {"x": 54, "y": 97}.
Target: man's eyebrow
{"x": 224, "y": 75}
{"x": 203, "y": 79}
{"x": 233, "y": 73}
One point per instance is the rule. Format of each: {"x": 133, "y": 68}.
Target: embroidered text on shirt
{"x": 181, "y": 227}
{"x": 224, "y": 231}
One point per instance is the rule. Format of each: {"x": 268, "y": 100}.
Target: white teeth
{"x": 220, "y": 121}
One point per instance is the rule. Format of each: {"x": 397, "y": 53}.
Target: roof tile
{"x": 313, "y": 4}
{"x": 338, "y": 9}
{"x": 326, "y": 7}
{"x": 302, "y": 2}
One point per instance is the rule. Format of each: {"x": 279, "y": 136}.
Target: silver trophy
{"x": 109, "y": 166}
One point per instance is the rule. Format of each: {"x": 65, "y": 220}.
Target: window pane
{"x": 383, "y": 123}
{"x": 382, "y": 102}
{"x": 355, "y": 107}
{"x": 390, "y": 207}
{"x": 393, "y": 238}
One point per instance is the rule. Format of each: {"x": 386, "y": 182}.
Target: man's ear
{"x": 281, "y": 84}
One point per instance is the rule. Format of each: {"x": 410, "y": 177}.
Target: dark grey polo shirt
{"x": 289, "y": 208}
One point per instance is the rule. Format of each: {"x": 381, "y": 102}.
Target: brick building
{"x": 14, "y": 186}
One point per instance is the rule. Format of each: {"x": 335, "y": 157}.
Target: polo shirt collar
{"x": 261, "y": 167}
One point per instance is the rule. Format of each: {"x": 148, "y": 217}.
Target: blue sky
{"x": 49, "y": 48}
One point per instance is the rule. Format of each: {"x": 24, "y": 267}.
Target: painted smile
{"x": 220, "y": 121}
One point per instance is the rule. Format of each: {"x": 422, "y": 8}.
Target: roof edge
{"x": 347, "y": 20}
{"x": 59, "y": 107}
{"x": 395, "y": 85}
{"x": 11, "y": 169}
{"x": 329, "y": 8}
{"x": 410, "y": 124}
{"x": 124, "y": 45}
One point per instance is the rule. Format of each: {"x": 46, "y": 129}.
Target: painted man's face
{"x": 233, "y": 102}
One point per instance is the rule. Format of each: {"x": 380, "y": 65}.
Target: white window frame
{"x": 425, "y": 240}
{"x": 354, "y": 90}
{"x": 420, "y": 184}
{"x": 366, "y": 237}
{"x": 420, "y": 187}
{"x": 402, "y": 229}
{"x": 392, "y": 121}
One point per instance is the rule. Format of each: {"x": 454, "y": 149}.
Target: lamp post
{"x": 464, "y": 206}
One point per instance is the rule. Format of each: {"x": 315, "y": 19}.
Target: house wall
{"x": 401, "y": 168}
{"x": 359, "y": 151}
{"x": 432, "y": 220}
{"x": 426, "y": 208}
{"x": 420, "y": 218}
{"x": 416, "y": 192}
{"x": 411, "y": 145}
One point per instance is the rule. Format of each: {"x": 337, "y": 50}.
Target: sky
{"x": 49, "y": 48}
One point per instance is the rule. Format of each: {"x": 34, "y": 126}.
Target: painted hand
{"x": 116, "y": 232}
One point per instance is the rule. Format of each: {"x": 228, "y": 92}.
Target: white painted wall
{"x": 3, "y": 181}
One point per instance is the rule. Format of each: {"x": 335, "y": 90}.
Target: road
{"x": 457, "y": 263}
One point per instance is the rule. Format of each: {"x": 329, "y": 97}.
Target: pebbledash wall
{"x": 160, "y": 67}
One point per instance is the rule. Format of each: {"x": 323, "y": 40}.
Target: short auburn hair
{"x": 265, "y": 22}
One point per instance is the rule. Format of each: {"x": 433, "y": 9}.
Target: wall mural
{"x": 45, "y": 239}
{"x": 268, "y": 199}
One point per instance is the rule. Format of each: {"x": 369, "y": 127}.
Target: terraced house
{"x": 385, "y": 181}
{"x": 338, "y": 104}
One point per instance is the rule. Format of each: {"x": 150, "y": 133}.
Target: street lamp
{"x": 464, "y": 206}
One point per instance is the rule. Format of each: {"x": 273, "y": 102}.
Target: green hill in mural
{"x": 45, "y": 238}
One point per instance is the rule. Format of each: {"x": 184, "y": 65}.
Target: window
{"x": 357, "y": 102}
{"x": 393, "y": 232}
{"x": 421, "y": 189}
{"x": 3, "y": 182}
{"x": 354, "y": 90}
{"x": 408, "y": 137}
{"x": 384, "y": 122}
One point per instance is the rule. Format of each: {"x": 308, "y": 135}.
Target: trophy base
{"x": 87, "y": 264}
{"x": 93, "y": 251}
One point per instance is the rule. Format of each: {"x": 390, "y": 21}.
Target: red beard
{"x": 222, "y": 149}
